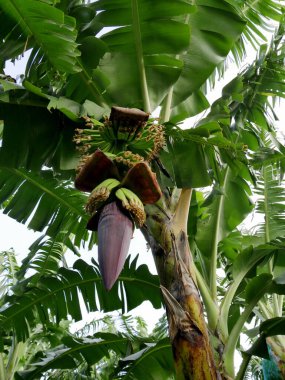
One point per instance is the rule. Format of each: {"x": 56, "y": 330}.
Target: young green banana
{"x": 100, "y": 194}
{"x": 132, "y": 203}
{"x": 109, "y": 183}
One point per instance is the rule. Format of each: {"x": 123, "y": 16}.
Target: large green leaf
{"x": 260, "y": 20}
{"x": 193, "y": 105}
{"x": 209, "y": 44}
{"x": 270, "y": 202}
{"x": 44, "y": 259}
{"x": 189, "y": 156}
{"x": 221, "y": 216}
{"x": 266, "y": 283}
{"x": 53, "y": 31}
{"x": 151, "y": 37}
{"x": 35, "y": 136}
{"x": 246, "y": 263}
{"x": 154, "y": 362}
{"x": 8, "y": 271}
{"x": 88, "y": 84}
{"x": 45, "y": 136}
{"x": 180, "y": 160}
{"x": 260, "y": 16}
{"x": 44, "y": 202}
{"x": 74, "y": 351}
{"x": 57, "y": 296}
{"x": 143, "y": 48}
{"x": 250, "y": 257}
{"x": 12, "y": 41}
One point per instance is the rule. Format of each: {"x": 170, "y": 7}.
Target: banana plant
{"x": 163, "y": 56}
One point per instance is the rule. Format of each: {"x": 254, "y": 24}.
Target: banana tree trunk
{"x": 166, "y": 235}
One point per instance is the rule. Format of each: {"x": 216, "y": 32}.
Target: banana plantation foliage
{"x": 84, "y": 161}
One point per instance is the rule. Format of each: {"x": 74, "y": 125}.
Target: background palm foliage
{"x": 84, "y": 58}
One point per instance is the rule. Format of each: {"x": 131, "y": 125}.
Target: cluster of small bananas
{"x": 121, "y": 133}
{"x": 128, "y": 158}
{"x": 93, "y": 137}
{"x": 148, "y": 141}
{"x": 144, "y": 142}
{"x": 130, "y": 201}
{"x": 100, "y": 194}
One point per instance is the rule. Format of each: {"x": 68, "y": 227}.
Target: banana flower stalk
{"x": 116, "y": 205}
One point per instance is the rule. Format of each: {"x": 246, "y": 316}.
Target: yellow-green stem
{"x": 210, "y": 305}
{"x": 2, "y": 367}
{"x": 233, "y": 338}
{"x": 139, "y": 52}
{"x": 180, "y": 218}
{"x": 14, "y": 358}
{"x": 214, "y": 252}
{"x": 267, "y": 240}
{"x": 224, "y": 310}
{"x": 280, "y": 302}
{"x": 166, "y": 108}
{"x": 264, "y": 310}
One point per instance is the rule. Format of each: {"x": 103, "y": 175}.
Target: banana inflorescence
{"x": 148, "y": 141}
{"x": 132, "y": 203}
{"x": 115, "y": 231}
{"x": 100, "y": 194}
{"x": 121, "y": 147}
{"x": 128, "y": 159}
{"x": 141, "y": 142}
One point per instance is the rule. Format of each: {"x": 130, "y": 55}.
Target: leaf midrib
{"x": 75, "y": 349}
{"x": 25, "y": 22}
{"x": 61, "y": 200}
{"x": 74, "y": 284}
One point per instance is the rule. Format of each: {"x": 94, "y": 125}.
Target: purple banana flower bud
{"x": 115, "y": 230}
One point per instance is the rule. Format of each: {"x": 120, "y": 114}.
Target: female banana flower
{"x": 116, "y": 205}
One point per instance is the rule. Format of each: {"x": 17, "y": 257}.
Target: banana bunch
{"x": 100, "y": 194}
{"x": 96, "y": 135}
{"x": 132, "y": 203}
{"x": 107, "y": 132}
{"x": 148, "y": 141}
{"x": 128, "y": 159}
{"x": 88, "y": 140}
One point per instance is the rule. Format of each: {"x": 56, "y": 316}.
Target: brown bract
{"x": 140, "y": 178}
{"x": 142, "y": 181}
{"x": 96, "y": 169}
{"x": 132, "y": 118}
